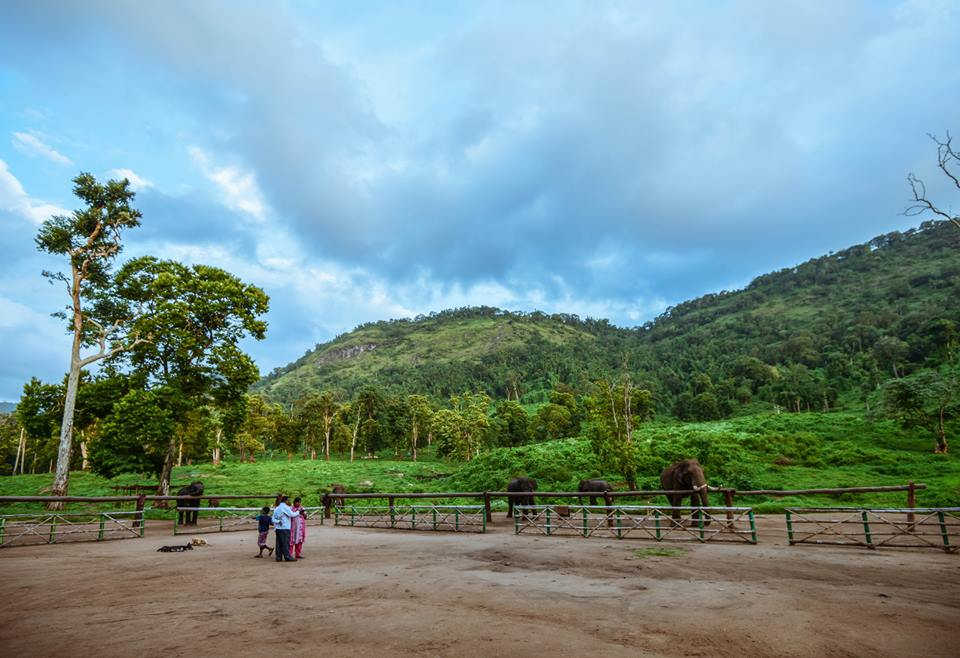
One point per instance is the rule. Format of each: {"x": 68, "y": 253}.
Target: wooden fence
{"x": 226, "y": 519}
{"x": 51, "y": 527}
{"x": 454, "y": 518}
{"x": 853, "y": 526}
{"x": 700, "y": 524}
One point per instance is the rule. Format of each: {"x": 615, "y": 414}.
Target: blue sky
{"x": 364, "y": 161}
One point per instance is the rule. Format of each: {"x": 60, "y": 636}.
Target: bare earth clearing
{"x": 401, "y": 593}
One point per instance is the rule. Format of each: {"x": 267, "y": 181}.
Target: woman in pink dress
{"x": 298, "y": 529}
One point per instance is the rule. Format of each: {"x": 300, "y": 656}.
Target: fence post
{"x": 789, "y": 528}
{"x": 700, "y": 523}
{"x": 220, "y": 516}
{"x": 413, "y": 517}
{"x": 456, "y": 517}
{"x": 656, "y": 521}
{"x": 393, "y": 517}
{"x": 488, "y": 515}
{"x": 434, "y": 517}
{"x": 353, "y": 512}
{"x": 619, "y": 527}
{"x": 138, "y": 518}
{"x": 911, "y": 503}
{"x": 866, "y": 528}
{"x": 584, "y": 510}
{"x": 3, "y": 524}
{"x": 753, "y": 526}
{"x": 516, "y": 524}
{"x": 548, "y": 520}
{"x": 100, "y": 534}
{"x": 728, "y": 500}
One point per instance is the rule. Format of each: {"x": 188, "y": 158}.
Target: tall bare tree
{"x": 91, "y": 239}
{"x": 948, "y": 160}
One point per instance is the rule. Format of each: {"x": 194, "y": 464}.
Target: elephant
{"x": 686, "y": 474}
{"x": 331, "y": 498}
{"x": 195, "y": 491}
{"x": 598, "y": 486}
{"x": 520, "y": 485}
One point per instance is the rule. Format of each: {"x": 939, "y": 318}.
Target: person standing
{"x": 298, "y": 529}
{"x": 281, "y": 523}
{"x": 264, "y": 521}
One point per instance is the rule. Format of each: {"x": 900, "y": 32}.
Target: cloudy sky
{"x": 364, "y": 160}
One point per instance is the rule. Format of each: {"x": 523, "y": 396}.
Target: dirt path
{"x": 398, "y": 593}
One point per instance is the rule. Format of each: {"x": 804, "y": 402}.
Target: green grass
{"x": 766, "y": 451}
{"x": 657, "y": 551}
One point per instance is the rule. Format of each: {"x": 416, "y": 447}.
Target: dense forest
{"x": 810, "y": 337}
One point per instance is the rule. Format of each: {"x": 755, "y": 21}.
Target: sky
{"x": 372, "y": 160}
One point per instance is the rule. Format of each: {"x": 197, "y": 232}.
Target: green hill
{"x": 815, "y": 336}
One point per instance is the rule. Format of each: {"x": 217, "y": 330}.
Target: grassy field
{"x": 773, "y": 451}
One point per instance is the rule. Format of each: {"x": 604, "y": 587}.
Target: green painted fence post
{"x": 943, "y": 531}
{"x": 753, "y": 526}
{"x": 866, "y": 528}
{"x": 548, "y": 521}
{"x": 353, "y": 513}
{"x": 3, "y": 524}
{"x": 413, "y": 517}
{"x": 456, "y": 517}
{"x": 221, "y": 521}
{"x": 434, "y": 517}
{"x": 516, "y": 522}
{"x": 100, "y": 534}
{"x": 585, "y": 532}
{"x": 656, "y": 522}
{"x": 619, "y": 525}
{"x": 789, "y": 528}
{"x": 176, "y": 524}
{"x": 143, "y": 523}
{"x": 393, "y": 513}
{"x": 484, "y": 522}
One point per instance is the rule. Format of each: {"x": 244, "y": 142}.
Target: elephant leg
{"x": 509, "y": 507}
{"x": 675, "y": 501}
{"x": 593, "y": 501}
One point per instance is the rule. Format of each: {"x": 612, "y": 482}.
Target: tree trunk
{"x": 61, "y": 479}
{"x": 163, "y": 489}
{"x": 216, "y": 449}
{"x": 180, "y": 455}
{"x": 353, "y": 443}
{"x": 941, "y": 435}
{"x": 326, "y": 441}
{"x": 415, "y": 432}
{"x": 21, "y": 453}
{"x": 83, "y": 452}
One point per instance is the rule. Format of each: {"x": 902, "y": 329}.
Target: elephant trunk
{"x": 700, "y": 496}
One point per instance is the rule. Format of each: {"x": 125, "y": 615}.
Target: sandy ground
{"x": 401, "y": 593}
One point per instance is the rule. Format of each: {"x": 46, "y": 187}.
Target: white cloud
{"x": 13, "y": 198}
{"x": 239, "y": 188}
{"x": 32, "y": 145}
{"x": 137, "y": 183}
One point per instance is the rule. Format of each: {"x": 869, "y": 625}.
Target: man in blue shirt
{"x": 281, "y": 522}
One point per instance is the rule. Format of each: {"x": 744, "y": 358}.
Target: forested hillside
{"x": 824, "y": 333}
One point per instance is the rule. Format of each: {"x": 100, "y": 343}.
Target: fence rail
{"x": 227, "y": 519}
{"x": 700, "y": 524}
{"x": 455, "y": 518}
{"x": 49, "y": 527}
{"x": 912, "y": 527}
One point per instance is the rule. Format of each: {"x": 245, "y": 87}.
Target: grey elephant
{"x": 685, "y": 475}
{"x": 189, "y": 517}
{"x": 598, "y": 486}
{"x": 332, "y": 499}
{"x": 520, "y": 485}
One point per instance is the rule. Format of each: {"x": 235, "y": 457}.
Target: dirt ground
{"x": 401, "y": 593}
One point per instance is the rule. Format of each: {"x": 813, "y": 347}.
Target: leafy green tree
{"x": 135, "y": 435}
{"x": 614, "y": 412}
{"x": 552, "y": 421}
{"x": 511, "y": 423}
{"x": 91, "y": 239}
{"x": 196, "y": 316}
{"x": 420, "y": 416}
{"x": 925, "y": 400}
